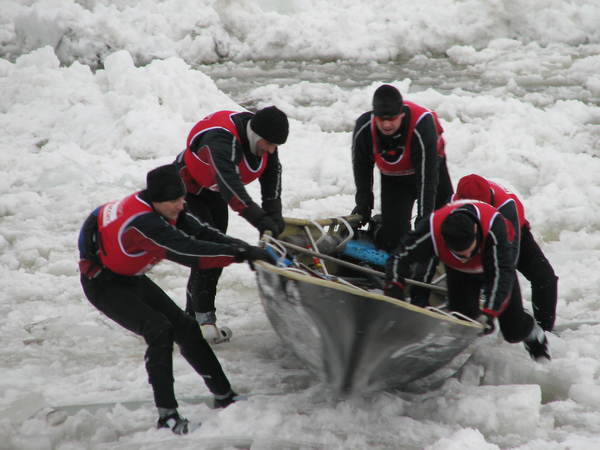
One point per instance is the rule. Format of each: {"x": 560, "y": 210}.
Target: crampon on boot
{"x": 537, "y": 344}
{"x": 226, "y": 400}
{"x": 214, "y": 334}
{"x": 174, "y": 422}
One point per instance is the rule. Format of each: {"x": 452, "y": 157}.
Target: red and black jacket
{"x": 218, "y": 157}
{"x": 128, "y": 237}
{"x": 494, "y": 260}
{"x": 507, "y": 203}
{"x": 412, "y": 153}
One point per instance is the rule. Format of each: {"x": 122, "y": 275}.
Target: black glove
{"x": 273, "y": 209}
{"x": 268, "y": 224}
{"x": 253, "y": 214}
{"x": 394, "y": 289}
{"x": 364, "y": 212}
{"x": 279, "y": 223}
{"x": 488, "y": 323}
{"x": 253, "y": 253}
{"x": 260, "y": 219}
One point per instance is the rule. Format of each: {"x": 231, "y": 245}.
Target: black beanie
{"x": 164, "y": 184}
{"x": 387, "y": 101}
{"x": 457, "y": 231}
{"x": 271, "y": 124}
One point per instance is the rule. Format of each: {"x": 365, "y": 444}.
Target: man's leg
{"x": 518, "y": 326}
{"x": 537, "y": 269}
{"x": 420, "y": 296}
{"x": 121, "y": 299}
{"x": 444, "y": 189}
{"x": 397, "y": 200}
{"x": 463, "y": 292}
{"x": 194, "y": 347}
{"x": 514, "y": 321}
{"x": 210, "y": 208}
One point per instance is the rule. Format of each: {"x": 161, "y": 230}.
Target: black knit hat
{"x": 458, "y": 231}
{"x": 164, "y": 183}
{"x": 387, "y": 101}
{"x": 271, "y": 124}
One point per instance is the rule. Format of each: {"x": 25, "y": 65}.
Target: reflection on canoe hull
{"x": 357, "y": 341}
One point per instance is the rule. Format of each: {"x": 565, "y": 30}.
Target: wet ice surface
{"x": 539, "y": 74}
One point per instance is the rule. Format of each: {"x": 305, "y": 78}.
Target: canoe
{"x": 340, "y": 325}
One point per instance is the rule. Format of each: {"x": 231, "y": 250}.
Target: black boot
{"x": 537, "y": 344}
{"x": 225, "y": 401}
{"x": 173, "y": 421}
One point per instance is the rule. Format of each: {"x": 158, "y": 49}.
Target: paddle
{"x": 358, "y": 268}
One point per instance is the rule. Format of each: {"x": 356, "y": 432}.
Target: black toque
{"x": 387, "y": 101}
{"x": 164, "y": 184}
{"x": 458, "y": 231}
{"x": 271, "y": 124}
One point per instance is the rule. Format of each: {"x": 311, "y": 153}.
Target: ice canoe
{"x": 351, "y": 337}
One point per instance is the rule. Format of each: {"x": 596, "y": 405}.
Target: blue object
{"x": 279, "y": 261}
{"x": 365, "y": 251}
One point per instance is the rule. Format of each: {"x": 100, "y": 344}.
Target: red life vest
{"x": 501, "y": 196}
{"x": 113, "y": 221}
{"x": 403, "y": 165}
{"x": 200, "y": 171}
{"x": 486, "y": 215}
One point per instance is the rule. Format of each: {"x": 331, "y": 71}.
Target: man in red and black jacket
{"x": 477, "y": 246}
{"x": 225, "y": 151}
{"x": 405, "y": 142}
{"x": 531, "y": 261}
{"x": 119, "y": 242}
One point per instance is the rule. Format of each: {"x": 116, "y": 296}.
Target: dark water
{"x": 552, "y": 78}
{"x": 438, "y": 73}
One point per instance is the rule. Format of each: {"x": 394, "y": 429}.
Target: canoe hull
{"x": 357, "y": 341}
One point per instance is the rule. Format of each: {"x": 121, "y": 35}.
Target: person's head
{"x": 272, "y": 127}
{"x": 460, "y": 233}
{"x": 387, "y": 109}
{"x": 474, "y": 187}
{"x": 166, "y": 191}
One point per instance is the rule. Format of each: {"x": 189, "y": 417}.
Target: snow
{"x": 97, "y": 92}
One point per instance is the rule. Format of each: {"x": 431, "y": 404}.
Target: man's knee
{"x": 159, "y": 355}
{"x": 158, "y": 333}
{"x": 516, "y": 329}
{"x": 186, "y": 329}
{"x": 542, "y": 273}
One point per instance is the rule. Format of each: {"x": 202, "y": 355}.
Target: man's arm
{"x": 415, "y": 247}
{"x": 224, "y": 152}
{"x": 190, "y": 224}
{"x": 498, "y": 267}
{"x": 270, "y": 188}
{"x": 270, "y": 180}
{"x": 363, "y": 163}
{"x": 426, "y": 163}
{"x": 152, "y": 232}
{"x": 509, "y": 210}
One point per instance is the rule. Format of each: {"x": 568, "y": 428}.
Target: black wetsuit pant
{"x": 537, "y": 269}
{"x": 398, "y": 196}
{"x": 210, "y": 208}
{"x": 138, "y": 304}
{"x": 463, "y": 296}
